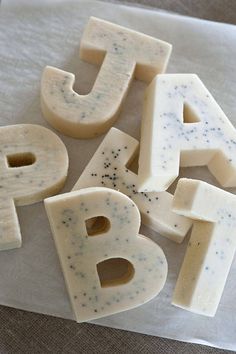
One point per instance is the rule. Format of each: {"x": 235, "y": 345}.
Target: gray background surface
{"x": 24, "y": 332}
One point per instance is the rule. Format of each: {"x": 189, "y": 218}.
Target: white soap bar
{"x": 183, "y": 126}
{"x": 108, "y": 168}
{"x": 81, "y": 254}
{"x": 211, "y": 246}
{"x": 122, "y": 54}
{"x": 34, "y": 165}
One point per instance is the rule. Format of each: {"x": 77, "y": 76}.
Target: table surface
{"x": 26, "y": 332}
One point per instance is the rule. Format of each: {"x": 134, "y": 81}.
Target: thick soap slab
{"x": 107, "y": 168}
{"x": 184, "y": 126}
{"x": 211, "y": 246}
{"x": 80, "y": 253}
{"x": 34, "y": 165}
{"x": 122, "y": 54}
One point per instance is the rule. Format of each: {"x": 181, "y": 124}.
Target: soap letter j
{"x": 184, "y": 126}
{"x": 122, "y": 54}
{"x": 81, "y": 252}
{"x": 34, "y": 165}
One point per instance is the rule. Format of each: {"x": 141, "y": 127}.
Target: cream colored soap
{"x": 122, "y": 54}
{"x": 183, "y": 126}
{"x": 34, "y": 165}
{"x": 108, "y": 168}
{"x": 211, "y": 247}
{"x": 81, "y": 254}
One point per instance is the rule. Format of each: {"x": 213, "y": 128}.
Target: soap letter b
{"x": 80, "y": 254}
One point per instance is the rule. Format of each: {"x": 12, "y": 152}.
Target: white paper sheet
{"x": 36, "y": 33}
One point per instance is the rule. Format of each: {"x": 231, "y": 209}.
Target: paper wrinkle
{"x": 35, "y": 34}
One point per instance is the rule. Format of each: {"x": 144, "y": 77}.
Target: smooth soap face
{"x": 80, "y": 253}
{"x": 211, "y": 246}
{"x": 183, "y": 126}
{"x": 34, "y": 165}
{"x": 107, "y": 168}
{"x": 122, "y": 54}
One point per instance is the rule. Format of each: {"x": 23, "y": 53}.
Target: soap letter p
{"x": 33, "y": 165}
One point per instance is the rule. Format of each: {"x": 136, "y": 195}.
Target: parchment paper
{"x": 36, "y": 33}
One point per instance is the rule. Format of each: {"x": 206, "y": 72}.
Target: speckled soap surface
{"x": 80, "y": 253}
{"x": 34, "y": 164}
{"x": 109, "y": 167}
{"x": 122, "y": 54}
{"x": 211, "y": 247}
{"x": 38, "y": 282}
{"x": 184, "y": 126}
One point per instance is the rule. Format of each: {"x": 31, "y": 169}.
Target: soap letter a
{"x": 184, "y": 126}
